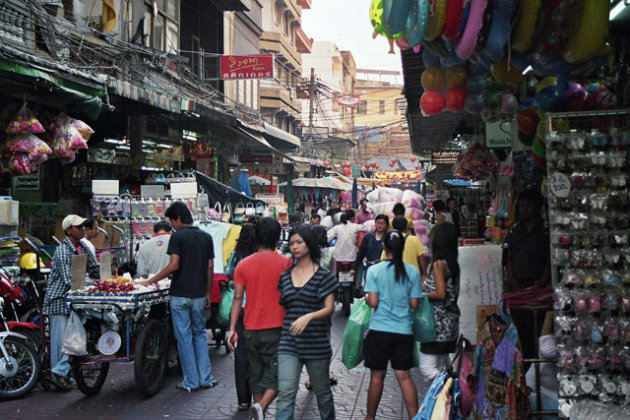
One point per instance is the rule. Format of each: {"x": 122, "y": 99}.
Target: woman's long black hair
{"x": 444, "y": 244}
{"x": 346, "y": 215}
{"x": 306, "y": 232}
{"x": 246, "y": 243}
{"x": 394, "y": 242}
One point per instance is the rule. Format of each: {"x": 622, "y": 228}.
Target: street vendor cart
{"x": 122, "y": 327}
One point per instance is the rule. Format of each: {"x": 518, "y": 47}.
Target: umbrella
{"x": 289, "y": 193}
{"x": 235, "y": 181}
{"x": 244, "y": 184}
{"x": 258, "y": 180}
{"x": 355, "y": 194}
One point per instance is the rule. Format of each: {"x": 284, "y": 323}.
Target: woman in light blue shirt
{"x": 392, "y": 287}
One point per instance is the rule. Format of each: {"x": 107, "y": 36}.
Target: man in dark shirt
{"x": 527, "y": 265}
{"x": 191, "y": 264}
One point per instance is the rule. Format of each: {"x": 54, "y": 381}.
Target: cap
{"x": 72, "y": 220}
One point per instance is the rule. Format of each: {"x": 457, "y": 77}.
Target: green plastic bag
{"x": 223, "y": 316}
{"x": 358, "y": 324}
{"x": 423, "y": 321}
{"x": 416, "y": 355}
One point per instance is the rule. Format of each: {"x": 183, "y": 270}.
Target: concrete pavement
{"x": 118, "y": 398}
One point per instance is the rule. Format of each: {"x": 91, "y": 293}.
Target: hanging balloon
{"x": 398, "y": 169}
{"x": 478, "y": 83}
{"x": 591, "y": 32}
{"x": 347, "y": 171}
{"x": 577, "y": 97}
{"x": 526, "y": 25}
{"x": 528, "y": 120}
{"x": 456, "y": 76}
{"x": 417, "y": 167}
{"x": 417, "y": 22}
{"x": 395, "y": 14}
{"x": 455, "y": 99}
{"x": 437, "y": 17}
{"x": 473, "y": 103}
{"x": 432, "y": 79}
{"x": 491, "y": 99}
{"x": 507, "y": 72}
{"x": 376, "y": 18}
{"x": 432, "y": 102}
{"x": 454, "y": 12}
{"x": 468, "y": 40}
{"x": 508, "y": 103}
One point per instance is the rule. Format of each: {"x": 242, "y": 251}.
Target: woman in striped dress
{"x": 308, "y": 296}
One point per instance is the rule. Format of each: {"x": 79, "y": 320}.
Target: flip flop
{"x": 60, "y": 382}
{"x": 210, "y": 385}
{"x": 183, "y": 388}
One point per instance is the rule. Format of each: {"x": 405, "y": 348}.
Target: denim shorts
{"x": 262, "y": 350}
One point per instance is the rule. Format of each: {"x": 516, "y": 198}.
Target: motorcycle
{"x": 345, "y": 293}
{"x": 20, "y": 365}
{"x": 14, "y": 308}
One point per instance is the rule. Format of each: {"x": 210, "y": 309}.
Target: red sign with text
{"x": 247, "y": 66}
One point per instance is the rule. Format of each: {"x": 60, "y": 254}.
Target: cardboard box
{"x": 9, "y": 212}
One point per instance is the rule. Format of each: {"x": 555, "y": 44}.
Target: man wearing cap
{"x": 59, "y": 283}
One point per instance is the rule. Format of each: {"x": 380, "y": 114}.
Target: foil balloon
{"x": 591, "y": 32}
{"x": 417, "y": 22}
{"x": 468, "y": 41}
{"x": 376, "y": 18}
{"x": 500, "y": 29}
{"x": 454, "y": 14}
{"x": 437, "y": 17}
{"x": 395, "y": 15}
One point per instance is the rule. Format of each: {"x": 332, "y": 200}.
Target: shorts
{"x": 380, "y": 347}
{"x": 262, "y": 350}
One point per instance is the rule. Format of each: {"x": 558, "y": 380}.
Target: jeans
{"x": 189, "y": 324}
{"x": 59, "y": 361}
{"x": 241, "y": 365}
{"x": 289, "y": 370}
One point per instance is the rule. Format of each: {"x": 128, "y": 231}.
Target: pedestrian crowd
{"x": 283, "y": 301}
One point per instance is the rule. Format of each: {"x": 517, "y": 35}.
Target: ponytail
{"x": 394, "y": 242}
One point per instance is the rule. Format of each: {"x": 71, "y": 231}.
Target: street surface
{"x": 118, "y": 398}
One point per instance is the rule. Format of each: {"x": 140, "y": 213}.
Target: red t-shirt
{"x": 259, "y": 274}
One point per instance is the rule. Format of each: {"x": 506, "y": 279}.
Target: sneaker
{"x": 243, "y": 407}
{"x": 256, "y": 412}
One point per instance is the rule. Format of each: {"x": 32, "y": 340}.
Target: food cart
{"x": 122, "y": 327}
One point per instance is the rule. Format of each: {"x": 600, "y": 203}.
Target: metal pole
{"x": 311, "y": 98}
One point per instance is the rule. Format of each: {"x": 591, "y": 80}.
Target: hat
{"x": 72, "y": 220}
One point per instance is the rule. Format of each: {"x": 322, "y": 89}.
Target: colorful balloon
{"x": 455, "y": 99}
{"x": 432, "y": 102}
{"x": 433, "y": 79}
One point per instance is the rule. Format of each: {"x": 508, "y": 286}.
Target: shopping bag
{"x": 423, "y": 322}
{"x": 223, "y": 316}
{"x": 75, "y": 337}
{"x": 358, "y": 324}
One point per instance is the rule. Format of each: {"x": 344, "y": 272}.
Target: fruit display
{"x": 115, "y": 285}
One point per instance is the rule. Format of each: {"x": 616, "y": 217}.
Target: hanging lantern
{"x": 417, "y": 166}
{"x": 413, "y": 159}
{"x": 398, "y": 169}
{"x": 363, "y": 169}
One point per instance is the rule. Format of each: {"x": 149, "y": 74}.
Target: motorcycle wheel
{"x": 33, "y": 336}
{"x": 19, "y": 378}
{"x": 346, "y": 300}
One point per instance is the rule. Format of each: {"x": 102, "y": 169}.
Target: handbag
{"x": 428, "y": 403}
{"x": 226, "y": 213}
{"x": 358, "y": 324}
{"x": 423, "y": 321}
{"x": 250, "y": 210}
{"x": 260, "y": 209}
{"x": 239, "y": 213}
{"x": 466, "y": 398}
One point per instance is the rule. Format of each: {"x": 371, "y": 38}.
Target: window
{"x": 400, "y": 106}
{"x": 362, "y": 109}
{"x": 286, "y": 23}
{"x": 381, "y": 107}
{"x": 164, "y": 25}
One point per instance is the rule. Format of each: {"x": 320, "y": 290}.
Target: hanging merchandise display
{"x": 476, "y": 164}
{"x": 588, "y": 189}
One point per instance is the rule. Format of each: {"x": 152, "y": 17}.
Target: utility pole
{"x": 311, "y": 98}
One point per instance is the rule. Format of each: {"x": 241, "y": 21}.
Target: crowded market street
{"x": 118, "y": 398}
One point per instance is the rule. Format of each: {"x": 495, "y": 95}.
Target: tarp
{"x": 219, "y": 192}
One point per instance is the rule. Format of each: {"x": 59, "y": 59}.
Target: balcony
{"x": 304, "y": 4}
{"x": 277, "y": 43}
{"x": 303, "y": 43}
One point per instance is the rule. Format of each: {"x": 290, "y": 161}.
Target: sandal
{"x": 181, "y": 387}
{"x": 60, "y": 382}
{"x": 333, "y": 380}
{"x": 210, "y": 385}
{"x": 308, "y": 385}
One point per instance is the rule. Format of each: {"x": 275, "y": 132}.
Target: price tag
{"x": 559, "y": 185}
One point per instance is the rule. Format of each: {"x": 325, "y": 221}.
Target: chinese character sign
{"x": 247, "y": 66}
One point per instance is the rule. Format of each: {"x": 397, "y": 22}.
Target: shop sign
{"x": 445, "y": 157}
{"x": 499, "y": 135}
{"x": 348, "y": 100}
{"x": 105, "y": 187}
{"x": 559, "y": 185}
{"x": 183, "y": 189}
{"x": 247, "y": 66}
{"x": 26, "y": 182}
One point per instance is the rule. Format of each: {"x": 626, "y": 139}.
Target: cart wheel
{"x": 150, "y": 358}
{"x": 90, "y": 377}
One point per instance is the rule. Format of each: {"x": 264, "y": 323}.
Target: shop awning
{"x": 230, "y": 5}
{"x": 87, "y": 96}
{"x": 277, "y": 133}
{"x": 257, "y": 138}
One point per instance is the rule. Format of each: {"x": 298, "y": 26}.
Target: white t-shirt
{"x": 85, "y": 243}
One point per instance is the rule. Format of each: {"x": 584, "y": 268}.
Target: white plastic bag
{"x": 75, "y": 337}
